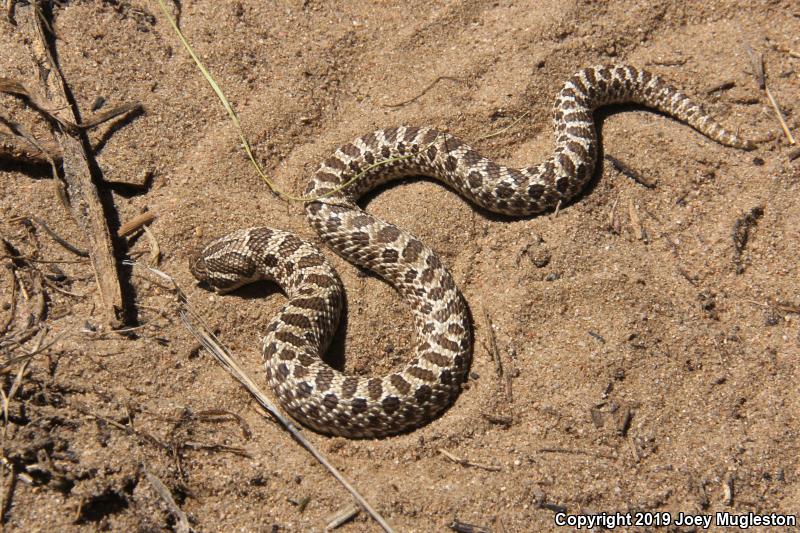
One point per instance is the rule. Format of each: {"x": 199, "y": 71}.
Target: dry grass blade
{"x": 183, "y": 522}
{"x": 9, "y": 86}
{"x": 781, "y": 119}
{"x": 7, "y": 399}
{"x": 503, "y": 130}
{"x": 145, "y": 437}
{"x": 246, "y": 144}
{"x": 202, "y": 332}
{"x": 111, "y": 113}
{"x": 757, "y": 61}
{"x": 15, "y": 88}
{"x": 425, "y": 90}
{"x": 216, "y": 415}
{"x": 236, "y": 450}
{"x": 498, "y": 361}
{"x": 576, "y": 452}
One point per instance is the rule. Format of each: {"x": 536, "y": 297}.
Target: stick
{"x": 135, "y": 223}
{"x": 84, "y": 202}
{"x": 758, "y": 66}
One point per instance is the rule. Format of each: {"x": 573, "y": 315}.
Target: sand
{"x": 650, "y": 366}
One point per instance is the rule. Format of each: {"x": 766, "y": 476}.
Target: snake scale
{"x": 334, "y": 403}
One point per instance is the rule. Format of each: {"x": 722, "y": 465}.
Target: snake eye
{"x": 198, "y": 268}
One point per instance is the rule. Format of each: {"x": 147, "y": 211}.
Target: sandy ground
{"x": 649, "y": 369}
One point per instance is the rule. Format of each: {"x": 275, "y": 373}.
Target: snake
{"x": 335, "y": 403}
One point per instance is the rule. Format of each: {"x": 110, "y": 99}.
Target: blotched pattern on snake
{"x": 335, "y": 403}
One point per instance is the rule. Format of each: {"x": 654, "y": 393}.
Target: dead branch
{"x": 84, "y": 201}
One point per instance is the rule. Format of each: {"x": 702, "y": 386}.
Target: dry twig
{"x": 723, "y": 86}
{"x": 463, "y": 527}
{"x": 425, "y": 90}
{"x": 498, "y": 361}
{"x": 135, "y": 223}
{"x": 341, "y": 517}
{"x": 70, "y": 247}
{"x": 464, "y": 462}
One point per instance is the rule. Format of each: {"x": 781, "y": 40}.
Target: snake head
{"x": 198, "y": 268}
{"x": 222, "y": 266}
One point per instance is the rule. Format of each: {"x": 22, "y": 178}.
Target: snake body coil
{"x": 334, "y": 403}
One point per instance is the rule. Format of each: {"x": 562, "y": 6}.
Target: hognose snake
{"x": 332, "y": 402}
